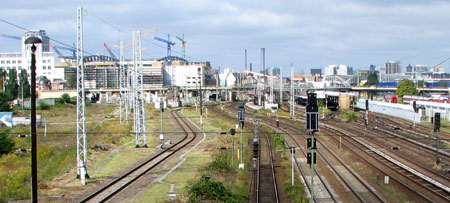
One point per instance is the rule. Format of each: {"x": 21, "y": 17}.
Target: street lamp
{"x": 33, "y": 41}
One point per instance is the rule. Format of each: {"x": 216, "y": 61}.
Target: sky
{"x": 307, "y": 33}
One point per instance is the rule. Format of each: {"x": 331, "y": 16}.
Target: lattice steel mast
{"x": 138, "y": 85}
{"x": 123, "y": 84}
{"x": 81, "y": 119}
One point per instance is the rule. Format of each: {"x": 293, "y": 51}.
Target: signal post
{"x": 312, "y": 125}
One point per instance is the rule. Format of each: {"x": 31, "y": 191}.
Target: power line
{"x": 129, "y": 34}
{"x": 54, "y": 40}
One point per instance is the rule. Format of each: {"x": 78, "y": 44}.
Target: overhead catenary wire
{"x": 129, "y": 34}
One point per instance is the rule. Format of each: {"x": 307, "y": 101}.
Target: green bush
{"x": 65, "y": 98}
{"x": 6, "y": 143}
{"x": 209, "y": 189}
{"x": 349, "y": 115}
{"x": 220, "y": 162}
{"x": 73, "y": 100}
{"x": 43, "y": 106}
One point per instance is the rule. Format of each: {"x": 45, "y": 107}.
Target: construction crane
{"x": 183, "y": 47}
{"x": 169, "y": 44}
{"x": 71, "y": 49}
{"x": 109, "y": 51}
{"x": 11, "y": 36}
{"x": 59, "y": 53}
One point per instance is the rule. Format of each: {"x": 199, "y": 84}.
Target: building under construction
{"x": 102, "y": 72}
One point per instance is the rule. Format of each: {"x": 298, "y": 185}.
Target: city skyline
{"x": 310, "y": 34}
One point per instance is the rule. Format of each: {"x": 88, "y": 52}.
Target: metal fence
{"x": 51, "y": 102}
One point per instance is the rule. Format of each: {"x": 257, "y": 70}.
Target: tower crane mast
{"x": 183, "y": 47}
{"x": 168, "y": 42}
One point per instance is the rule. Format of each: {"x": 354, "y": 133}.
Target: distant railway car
{"x": 433, "y": 98}
{"x": 331, "y": 100}
{"x": 432, "y": 84}
{"x": 387, "y": 84}
{"x": 391, "y": 98}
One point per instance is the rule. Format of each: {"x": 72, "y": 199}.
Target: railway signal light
{"x": 232, "y": 131}
{"x": 312, "y": 99}
{"x": 311, "y": 158}
{"x": 367, "y": 104}
{"x": 312, "y": 113}
{"x": 311, "y": 143}
{"x": 241, "y": 114}
{"x": 161, "y": 105}
{"x": 437, "y": 122}
{"x": 255, "y": 147}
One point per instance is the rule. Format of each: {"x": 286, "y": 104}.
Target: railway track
{"x": 266, "y": 168}
{"x": 439, "y": 191}
{"x": 265, "y": 183}
{"x": 420, "y": 132}
{"x": 303, "y": 168}
{"x": 113, "y": 188}
{"x": 362, "y": 191}
{"x": 409, "y": 143}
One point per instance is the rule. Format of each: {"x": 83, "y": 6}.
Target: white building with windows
{"x": 331, "y": 69}
{"x": 45, "y": 60}
{"x": 338, "y": 70}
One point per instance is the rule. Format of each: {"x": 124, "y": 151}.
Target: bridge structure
{"x": 230, "y": 91}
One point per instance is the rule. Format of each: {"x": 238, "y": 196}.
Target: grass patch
{"x": 390, "y": 190}
{"x": 127, "y": 157}
{"x": 295, "y": 192}
{"x": 156, "y": 193}
{"x": 348, "y": 115}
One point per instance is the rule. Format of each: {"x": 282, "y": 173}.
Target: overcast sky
{"x": 308, "y": 33}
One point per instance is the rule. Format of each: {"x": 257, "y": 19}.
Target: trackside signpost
{"x": 312, "y": 125}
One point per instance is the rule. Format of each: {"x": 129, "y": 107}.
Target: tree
{"x": 406, "y": 87}
{"x": 2, "y": 79}
{"x": 372, "y": 79}
{"x": 24, "y": 85}
{"x": 72, "y": 81}
{"x": 6, "y": 143}
{"x": 4, "y": 106}
{"x": 11, "y": 85}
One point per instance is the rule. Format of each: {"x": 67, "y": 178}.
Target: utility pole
{"x": 201, "y": 99}
{"x": 34, "y": 180}
{"x": 245, "y": 59}
{"x": 81, "y": 119}
{"x": 281, "y": 86}
{"x": 292, "y": 91}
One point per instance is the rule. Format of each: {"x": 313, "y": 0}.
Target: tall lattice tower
{"x": 81, "y": 119}
{"x": 138, "y": 92}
